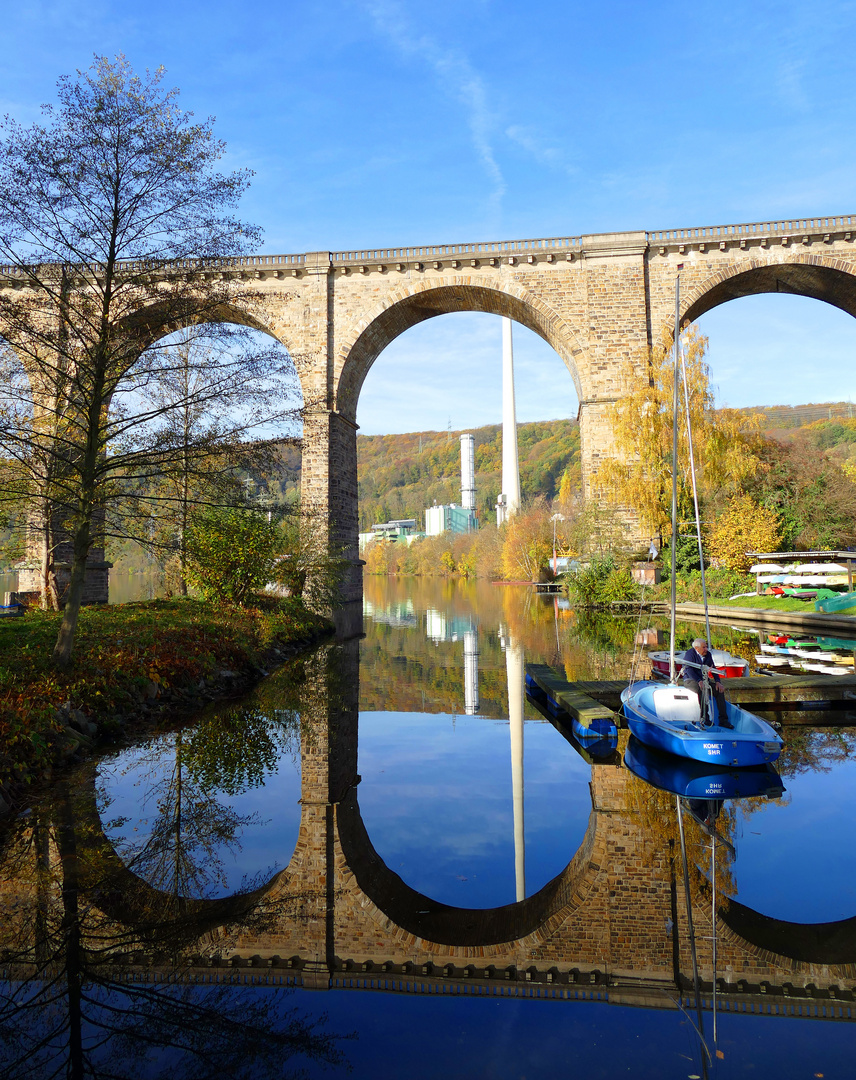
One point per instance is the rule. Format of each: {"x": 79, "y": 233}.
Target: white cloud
{"x": 535, "y": 144}
{"x": 453, "y": 69}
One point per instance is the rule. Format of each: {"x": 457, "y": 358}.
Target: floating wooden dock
{"x": 758, "y": 690}
{"x": 576, "y": 703}
{"x": 815, "y": 622}
{"x": 586, "y": 702}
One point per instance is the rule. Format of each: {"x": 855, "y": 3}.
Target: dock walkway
{"x": 751, "y": 690}
{"x": 817, "y": 622}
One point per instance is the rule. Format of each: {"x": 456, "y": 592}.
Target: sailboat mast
{"x": 675, "y": 402}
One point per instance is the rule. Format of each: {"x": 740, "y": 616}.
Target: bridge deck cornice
{"x": 549, "y": 248}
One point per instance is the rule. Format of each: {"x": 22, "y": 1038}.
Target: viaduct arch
{"x": 601, "y": 300}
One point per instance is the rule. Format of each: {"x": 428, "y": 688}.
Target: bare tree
{"x": 116, "y": 229}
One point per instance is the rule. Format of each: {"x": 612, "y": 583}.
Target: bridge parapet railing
{"x": 242, "y": 262}
{"x": 487, "y": 249}
{"x": 782, "y": 227}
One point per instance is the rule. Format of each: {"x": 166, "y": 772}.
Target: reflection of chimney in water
{"x": 471, "y": 672}
{"x": 514, "y": 668}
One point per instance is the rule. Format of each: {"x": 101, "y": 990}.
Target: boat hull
{"x": 666, "y": 718}
{"x": 725, "y": 665}
{"x": 837, "y": 603}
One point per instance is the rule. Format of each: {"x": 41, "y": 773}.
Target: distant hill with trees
{"x": 399, "y": 475}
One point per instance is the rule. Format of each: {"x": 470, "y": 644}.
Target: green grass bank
{"x": 132, "y": 664}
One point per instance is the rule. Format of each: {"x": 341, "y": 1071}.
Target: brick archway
{"x": 819, "y": 277}
{"x": 244, "y": 310}
{"x": 406, "y": 307}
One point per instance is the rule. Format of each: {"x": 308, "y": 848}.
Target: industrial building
{"x": 451, "y": 518}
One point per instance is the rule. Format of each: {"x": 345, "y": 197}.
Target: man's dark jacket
{"x": 693, "y": 673}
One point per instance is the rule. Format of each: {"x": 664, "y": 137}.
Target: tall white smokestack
{"x": 510, "y": 498}
{"x": 468, "y": 472}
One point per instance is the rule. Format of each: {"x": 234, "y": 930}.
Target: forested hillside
{"x": 399, "y": 475}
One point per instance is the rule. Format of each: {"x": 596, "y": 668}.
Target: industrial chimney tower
{"x": 468, "y": 472}
{"x": 509, "y": 501}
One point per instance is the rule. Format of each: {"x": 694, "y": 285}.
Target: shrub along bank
{"x": 132, "y": 663}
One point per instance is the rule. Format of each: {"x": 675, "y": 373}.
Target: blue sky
{"x": 394, "y": 122}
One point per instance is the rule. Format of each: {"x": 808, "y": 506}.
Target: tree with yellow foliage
{"x": 639, "y": 474}
{"x": 743, "y": 526}
{"x": 528, "y": 543}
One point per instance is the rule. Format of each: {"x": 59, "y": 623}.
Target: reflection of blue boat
{"x": 601, "y": 748}
{"x": 668, "y": 718}
{"x": 698, "y": 780}
{"x": 594, "y": 728}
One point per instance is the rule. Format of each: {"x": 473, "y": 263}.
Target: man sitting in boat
{"x": 694, "y": 660}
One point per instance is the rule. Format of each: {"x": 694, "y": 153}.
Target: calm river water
{"x": 387, "y": 860}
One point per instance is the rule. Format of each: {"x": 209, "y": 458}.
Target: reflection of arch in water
{"x": 424, "y": 918}
{"x": 157, "y": 916}
{"x": 129, "y": 899}
{"x": 813, "y": 943}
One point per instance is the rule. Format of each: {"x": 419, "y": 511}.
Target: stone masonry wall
{"x": 599, "y": 300}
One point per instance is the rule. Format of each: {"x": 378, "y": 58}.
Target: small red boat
{"x": 728, "y": 666}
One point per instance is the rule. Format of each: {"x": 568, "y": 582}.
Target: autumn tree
{"x": 528, "y": 543}
{"x": 741, "y": 527}
{"x": 810, "y": 491}
{"x": 231, "y": 552}
{"x": 725, "y": 441}
{"x": 115, "y": 228}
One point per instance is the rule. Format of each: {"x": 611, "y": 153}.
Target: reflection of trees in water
{"x": 66, "y": 1011}
{"x": 190, "y": 829}
{"x": 600, "y": 647}
{"x": 814, "y": 749}
{"x": 182, "y": 778}
{"x": 426, "y": 676}
{"x": 657, "y": 814}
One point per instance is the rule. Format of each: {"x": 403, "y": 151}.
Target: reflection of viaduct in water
{"x": 612, "y": 925}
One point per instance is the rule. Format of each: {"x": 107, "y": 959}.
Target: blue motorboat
{"x": 669, "y": 718}
{"x": 698, "y": 780}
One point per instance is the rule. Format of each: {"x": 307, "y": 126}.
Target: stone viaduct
{"x": 611, "y": 926}
{"x": 600, "y": 300}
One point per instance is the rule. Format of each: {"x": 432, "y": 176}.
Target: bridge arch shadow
{"x": 405, "y": 308}
{"x": 421, "y": 917}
